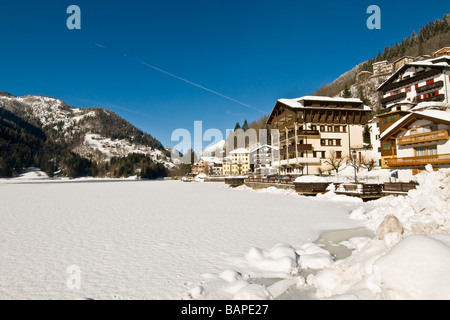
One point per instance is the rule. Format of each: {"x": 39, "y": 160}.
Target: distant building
{"x": 201, "y": 167}
{"x": 382, "y": 68}
{"x": 442, "y": 52}
{"x": 215, "y": 165}
{"x": 311, "y": 129}
{"x": 402, "y": 61}
{"x": 423, "y": 57}
{"x": 237, "y": 162}
{"x": 261, "y": 160}
{"x": 209, "y": 166}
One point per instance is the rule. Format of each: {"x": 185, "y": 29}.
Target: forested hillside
{"x": 46, "y": 133}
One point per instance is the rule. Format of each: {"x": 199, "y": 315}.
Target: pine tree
{"x": 237, "y": 126}
{"x": 346, "y": 93}
{"x": 245, "y": 126}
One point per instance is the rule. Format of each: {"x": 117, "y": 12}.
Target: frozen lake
{"x": 143, "y": 239}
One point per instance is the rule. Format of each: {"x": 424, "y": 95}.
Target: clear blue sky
{"x": 254, "y": 52}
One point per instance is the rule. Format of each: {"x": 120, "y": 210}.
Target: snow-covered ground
{"x": 173, "y": 240}
{"x": 143, "y": 239}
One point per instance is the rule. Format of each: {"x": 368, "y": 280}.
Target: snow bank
{"x": 423, "y": 210}
{"x": 409, "y": 257}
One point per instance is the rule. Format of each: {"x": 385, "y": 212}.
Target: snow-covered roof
{"x": 209, "y": 160}
{"x": 298, "y": 103}
{"x": 423, "y": 63}
{"x": 441, "y": 49}
{"x": 438, "y": 115}
{"x": 430, "y": 104}
{"x": 240, "y": 151}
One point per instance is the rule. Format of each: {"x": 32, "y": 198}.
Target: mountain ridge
{"x": 64, "y": 146}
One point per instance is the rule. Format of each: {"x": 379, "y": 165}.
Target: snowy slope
{"x": 68, "y": 123}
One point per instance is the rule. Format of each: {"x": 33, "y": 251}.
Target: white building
{"x": 312, "y": 129}
{"x": 419, "y": 81}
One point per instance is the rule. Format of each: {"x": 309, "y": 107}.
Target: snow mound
{"x": 280, "y": 259}
{"x": 409, "y": 259}
{"x": 415, "y": 268}
{"x": 424, "y": 210}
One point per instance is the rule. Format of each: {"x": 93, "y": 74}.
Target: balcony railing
{"x": 308, "y": 132}
{"x": 423, "y": 137}
{"x": 431, "y": 86}
{"x": 439, "y": 98}
{"x": 300, "y": 133}
{"x": 419, "y": 161}
{"x": 299, "y": 147}
{"x": 399, "y": 96}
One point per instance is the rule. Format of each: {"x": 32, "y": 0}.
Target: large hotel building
{"x": 308, "y": 130}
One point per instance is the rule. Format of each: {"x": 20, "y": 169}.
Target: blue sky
{"x": 253, "y": 52}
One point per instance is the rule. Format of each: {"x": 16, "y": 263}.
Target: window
{"x": 421, "y": 152}
{"x": 339, "y": 154}
{"x": 393, "y": 118}
{"x": 386, "y": 146}
{"x": 432, "y": 151}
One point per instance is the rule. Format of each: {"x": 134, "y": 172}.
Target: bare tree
{"x": 334, "y": 161}
{"x": 369, "y": 163}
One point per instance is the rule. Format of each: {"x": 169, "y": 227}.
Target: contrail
{"x": 190, "y": 82}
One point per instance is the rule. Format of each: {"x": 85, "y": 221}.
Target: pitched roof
{"x": 431, "y": 114}
{"x": 441, "y": 62}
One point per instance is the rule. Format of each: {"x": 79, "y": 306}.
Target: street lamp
{"x": 354, "y": 164}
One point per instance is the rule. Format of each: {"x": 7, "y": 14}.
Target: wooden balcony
{"x": 423, "y": 137}
{"x": 308, "y": 132}
{"x": 388, "y": 99}
{"x": 429, "y": 87}
{"x": 438, "y": 98}
{"x": 299, "y": 147}
{"x": 419, "y": 161}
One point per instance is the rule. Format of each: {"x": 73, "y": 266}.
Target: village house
{"x": 421, "y": 138}
{"x": 311, "y": 129}
{"x": 442, "y": 52}
{"x": 211, "y": 166}
{"x": 382, "y": 68}
{"x": 402, "y": 61}
{"x": 201, "y": 167}
{"x": 237, "y": 163}
{"x": 419, "y": 81}
{"x": 413, "y": 84}
{"x": 261, "y": 160}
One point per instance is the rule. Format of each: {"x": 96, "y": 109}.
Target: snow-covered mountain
{"x": 96, "y": 134}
